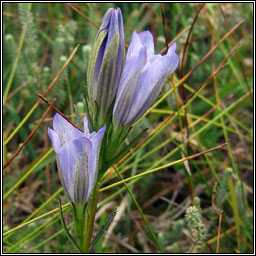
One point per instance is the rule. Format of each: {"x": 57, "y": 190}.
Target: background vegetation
{"x": 211, "y": 104}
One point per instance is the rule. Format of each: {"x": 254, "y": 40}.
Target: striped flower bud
{"x": 105, "y": 66}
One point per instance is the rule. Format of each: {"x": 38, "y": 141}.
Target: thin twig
{"x": 164, "y": 26}
{"x": 59, "y": 112}
{"x": 187, "y": 40}
{"x": 81, "y": 14}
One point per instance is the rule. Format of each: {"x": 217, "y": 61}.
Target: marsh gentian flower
{"x": 77, "y": 157}
{"x": 142, "y": 79}
{"x": 105, "y": 65}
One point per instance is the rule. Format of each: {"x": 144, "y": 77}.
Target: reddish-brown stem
{"x": 59, "y": 112}
{"x": 81, "y": 14}
{"x": 164, "y": 26}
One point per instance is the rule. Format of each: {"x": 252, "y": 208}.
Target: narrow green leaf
{"x": 102, "y": 230}
{"x": 70, "y": 238}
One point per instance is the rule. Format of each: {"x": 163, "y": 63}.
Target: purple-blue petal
{"x": 172, "y": 49}
{"x": 133, "y": 64}
{"x": 146, "y": 39}
{"x": 105, "y": 20}
{"x": 97, "y": 67}
{"x": 82, "y": 149}
{"x": 113, "y": 29}
{"x": 68, "y": 158}
{"x": 139, "y": 40}
{"x": 86, "y": 126}
{"x": 150, "y": 84}
{"x": 120, "y": 26}
{"x": 134, "y": 46}
{"x": 93, "y": 159}
{"x": 127, "y": 86}
{"x": 54, "y": 139}
{"x": 64, "y": 129}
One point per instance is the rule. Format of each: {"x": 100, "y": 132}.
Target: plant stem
{"x": 91, "y": 217}
{"x": 71, "y": 239}
{"x": 79, "y": 214}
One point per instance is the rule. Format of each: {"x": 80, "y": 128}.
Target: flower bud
{"x": 105, "y": 66}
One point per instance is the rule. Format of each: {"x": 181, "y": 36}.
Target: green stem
{"x": 79, "y": 213}
{"x": 71, "y": 239}
{"x": 89, "y": 227}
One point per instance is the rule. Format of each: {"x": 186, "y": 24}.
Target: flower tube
{"x": 142, "y": 79}
{"x": 105, "y": 66}
{"x": 77, "y": 157}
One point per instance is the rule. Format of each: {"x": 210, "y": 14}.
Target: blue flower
{"x": 142, "y": 79}
{"x": 105, "y": 66}
{"x": 77, "y": 157}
